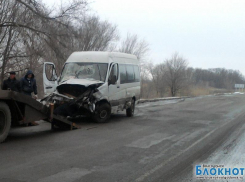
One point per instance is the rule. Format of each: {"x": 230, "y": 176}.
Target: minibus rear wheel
{"x": 130, "y": 110}
{"x": 103, "y": 113}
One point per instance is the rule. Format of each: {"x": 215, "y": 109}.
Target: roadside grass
{"x": 198, "y": 91}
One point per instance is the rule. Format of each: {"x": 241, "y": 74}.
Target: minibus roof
{"x": 99, "y": 57}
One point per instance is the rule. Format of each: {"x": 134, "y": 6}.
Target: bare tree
{"x": 133, "y": 45}
{"x": 95, "y": 35}
{"x": 157, "y": 75}
{"x": 20, "y": 19}
{"x": 175, "y": 73}
{"x": 88, "y": 34}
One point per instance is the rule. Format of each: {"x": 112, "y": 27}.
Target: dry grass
{"x": 148, "y": 92}
{"x": 197, "y": 91}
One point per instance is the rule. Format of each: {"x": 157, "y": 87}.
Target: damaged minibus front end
{"x": 71, "y": 94}
{"x": 75, "y": 97}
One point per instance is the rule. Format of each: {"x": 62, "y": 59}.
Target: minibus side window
{"x": 136, "y": 73}
{"x": 123, "y": 78}
{"x": 130, "y": 73}
{"x": 114, "y": 74}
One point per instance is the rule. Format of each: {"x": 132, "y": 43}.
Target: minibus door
{"x": 114, "y": 86}
{"x": 49, "y": 78}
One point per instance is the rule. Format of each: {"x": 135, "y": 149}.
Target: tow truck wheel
{"x": 5, "y": 121}
{"x": 103, "y": 113}
{"x": 130, "y": 110}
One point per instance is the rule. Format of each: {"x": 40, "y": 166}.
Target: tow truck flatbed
{"x": 19, "y": 109}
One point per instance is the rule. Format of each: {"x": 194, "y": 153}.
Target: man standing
{"x": 28, "y": 84}
{"x": 11, "y": 83}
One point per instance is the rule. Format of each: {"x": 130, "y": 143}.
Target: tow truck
{"x": 18, "y": 109}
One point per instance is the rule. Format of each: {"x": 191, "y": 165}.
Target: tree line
{"x": 174, "y": 77}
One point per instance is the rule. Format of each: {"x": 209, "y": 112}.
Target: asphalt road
{"x": 160, "y": 143}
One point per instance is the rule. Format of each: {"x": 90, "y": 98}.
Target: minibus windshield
{"x": 91, "y": 71}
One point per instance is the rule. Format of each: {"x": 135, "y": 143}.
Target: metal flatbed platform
{"x": 18, "y": 109}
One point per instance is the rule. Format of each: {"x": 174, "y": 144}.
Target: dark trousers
{"x": 27, "y": 93}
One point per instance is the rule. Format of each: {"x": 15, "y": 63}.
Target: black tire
{"x": 5, "y": 121}
{"x": 102, "y": 113}
{"x": 130, "y": 110}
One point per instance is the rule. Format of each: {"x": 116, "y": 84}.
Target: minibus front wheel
{"x": 102, "y": 113}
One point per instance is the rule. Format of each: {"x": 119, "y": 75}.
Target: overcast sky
{"x": 208, "y": 33}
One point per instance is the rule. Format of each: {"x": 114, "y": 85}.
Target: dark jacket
{"x": 13, "y": 85}
{"x": 28, "y": 85}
